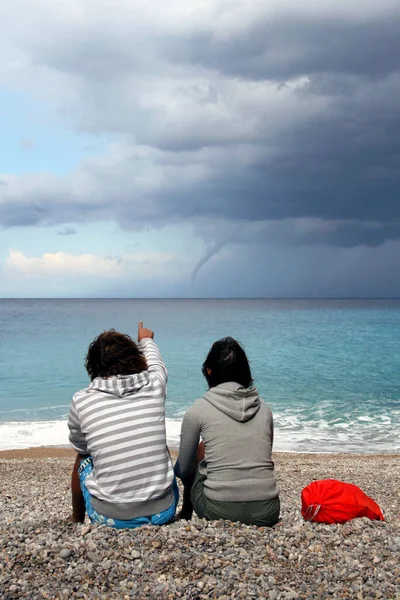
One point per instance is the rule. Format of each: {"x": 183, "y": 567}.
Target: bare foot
{"x": 72, "y": 519}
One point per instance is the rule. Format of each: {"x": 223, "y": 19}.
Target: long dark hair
{"x": 227, "y": 361}
{"x": 114, "y": 353}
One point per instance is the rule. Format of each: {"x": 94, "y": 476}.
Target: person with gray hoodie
{"x": 229, "y": 474}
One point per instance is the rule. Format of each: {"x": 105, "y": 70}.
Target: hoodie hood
{"x": 120, "y": 385}
{"x": 235, "y": 401}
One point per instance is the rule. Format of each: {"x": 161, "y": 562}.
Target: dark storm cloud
{"x": 286, "y": 46}
{"x": 285, "y": 114}
{"x": 317, "y": 232}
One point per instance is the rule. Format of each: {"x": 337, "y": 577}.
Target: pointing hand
{"x": 143, "y": 332}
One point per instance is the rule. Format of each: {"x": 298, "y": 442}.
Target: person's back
{"x": 237, "y": 431}
{"x": 117, "y": 426}
{"x": 235, "y": 474}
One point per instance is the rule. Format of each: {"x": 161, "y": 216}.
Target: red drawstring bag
{"x": 332, "y": 501}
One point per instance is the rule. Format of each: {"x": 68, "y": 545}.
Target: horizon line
{"x": 200, "y": 298}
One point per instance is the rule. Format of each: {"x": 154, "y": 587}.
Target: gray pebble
{"x": 93, "y": 556}
{"x": 65, "y": 553}
{"x": 352, "y": 576}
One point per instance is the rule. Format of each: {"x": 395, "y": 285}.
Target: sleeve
{"x": 76, "y": 437}
{"x": 155, "y": 363}
{"x": 272, "y": 431}
{"x": 271, "y": 426}
{"x": 190, "y": 437}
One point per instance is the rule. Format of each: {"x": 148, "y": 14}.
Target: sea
{"x": 329, "y": 369}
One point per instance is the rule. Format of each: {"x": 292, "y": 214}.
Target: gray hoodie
{"x": 236, "y": 427}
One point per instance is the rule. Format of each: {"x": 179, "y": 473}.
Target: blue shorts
{"x": 86, "y": 468}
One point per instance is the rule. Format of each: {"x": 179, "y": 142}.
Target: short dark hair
{"x": 114, "y": 353}
{"x": 227, "y": 361}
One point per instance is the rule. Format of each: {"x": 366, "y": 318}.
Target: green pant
{"x": 263, "y": 513}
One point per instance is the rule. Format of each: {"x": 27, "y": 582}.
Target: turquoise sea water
{"x": 330, "y": 370}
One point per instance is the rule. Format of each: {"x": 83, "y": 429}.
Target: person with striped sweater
{"x": 123, "y": 474}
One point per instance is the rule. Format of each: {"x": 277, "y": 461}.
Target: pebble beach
{"x": 42, "y": 555}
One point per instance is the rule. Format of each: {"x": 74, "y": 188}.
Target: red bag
{"x": 332, "y": 501}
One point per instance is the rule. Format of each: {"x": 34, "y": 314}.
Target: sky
{"x": 212, "y": 148}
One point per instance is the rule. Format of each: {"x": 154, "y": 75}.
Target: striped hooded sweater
{"x": 120, "y": 422}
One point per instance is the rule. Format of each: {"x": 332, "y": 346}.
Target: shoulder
{"x": 265, "y": 408}
{"x": 196, "y": 409}
{"x": 80, "y": 396}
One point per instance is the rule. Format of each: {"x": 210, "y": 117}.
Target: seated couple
{"x": 123, "y": 474}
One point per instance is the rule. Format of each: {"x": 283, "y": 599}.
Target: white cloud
{"x": 145, "y": 266}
